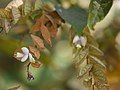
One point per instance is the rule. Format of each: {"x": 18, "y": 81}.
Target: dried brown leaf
{"x": 16, "y": 14}
{"x": 4, "y": 13}
{"x": 34, "y": 51}
{"x": 84, "y": 70}
{"x": 37, "y": 64}
{"x": 40, "y": 21}
{"x": 7, "y": 25}
{"x": 57, "y": 19}
{"x": 87, "y": 81}
{"x": 53, "y": 31}
{"x": 53, "y": 28}
{"x": 14, "y": 3}
{"x": 46, "y": 34}
{"x": 38, "y": 41}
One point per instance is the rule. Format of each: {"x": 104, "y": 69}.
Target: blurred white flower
{"x": 79, "y": 41}
{"x": 24, "y": 55}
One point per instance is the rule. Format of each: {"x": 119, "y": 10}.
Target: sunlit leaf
{"x": 48, "y": 6}
{"x": 84, "y": 70}
{"x": 98, "y": 74}
{"x": 27, "y": 7}
{"x": 95, "y": 50}
{"x": 98, "y": 61}
{"x": 4, "y": 13}
{"x": 80, "y": 57}
{"x": 14, "y": 3}
{"x": 98, "y": 9}
{"x": 16, "y": 14}
{"x": 38, "y": 4}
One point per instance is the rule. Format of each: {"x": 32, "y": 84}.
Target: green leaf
{"x": 98, "y": 9}
{"x": 76, "y": 16}
{"x": 84, "y": 70}
{"x": 38, "y": 4}
{"x": 27, "y": 7}
{"x": 36, "y": 14}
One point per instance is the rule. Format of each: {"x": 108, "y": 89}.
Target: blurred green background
{"x": 58, "y": 72}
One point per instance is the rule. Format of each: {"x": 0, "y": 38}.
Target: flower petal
{"x": 25, "y": 50}
{"x": 76, "y": 38}
{"x": 31, "y": 58}
{"x": 19, "y": 55}
{"x": 83, "y": 40}
{"x": 25, "y": 57}
{"x": 78, "y": 46}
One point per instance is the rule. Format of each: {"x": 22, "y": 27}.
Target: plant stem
{"x": 93, "y": 87}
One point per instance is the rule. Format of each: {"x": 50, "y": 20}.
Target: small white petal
{"x": 83, "y": 40}
{"x": 25, "y": 57}
{"x": 78, "y": 46}
{"x": 31, "y": 58}
{"x": 25, "y": 50}
{"x": 76, "y": 38}
{"x": 19, "y": 55}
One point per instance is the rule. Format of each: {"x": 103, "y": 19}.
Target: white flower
{"x": 24, "y": 55}
{"x": 79, "y": 41}
{"x": 76, "y": 38}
